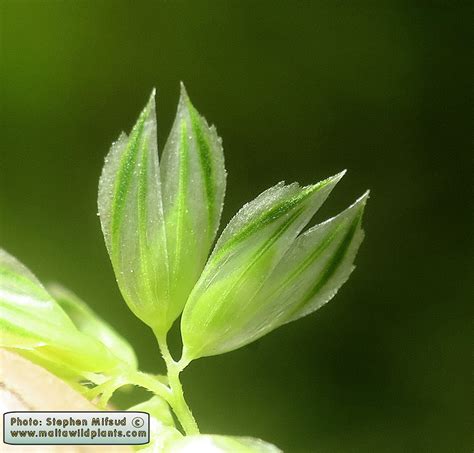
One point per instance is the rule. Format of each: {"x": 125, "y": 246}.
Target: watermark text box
{"x": 76, "y": 428}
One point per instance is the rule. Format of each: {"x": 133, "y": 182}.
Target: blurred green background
{"x": 298, "y": 90}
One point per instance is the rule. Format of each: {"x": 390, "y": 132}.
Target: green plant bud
{"x": 159, "y": 225}
{"x": 90, "y": 324}
{"x": 221, "y": 444}
{"x": 131, "y": 215}
{"x": 194, "y": 180}
{"x": 310, "y": 273}
{"x": 33, "y": 324}
{"x": 249, "y": 249}
{"x": 314, "y": 268}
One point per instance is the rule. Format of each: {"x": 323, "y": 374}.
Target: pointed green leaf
{"x": 207, "y": 443}
{"x": 316, "y": 266}
{"x": 245, "y": 255}
{"x": 194, "y": 179}
{"x": 131, "y": 216}
{"x": 29, "y": 316}
{"x": 310, "y": 273}
{"x": 90, "y": 324}
{"x": 34, "y": 325}
{"x": 159, "y": 235}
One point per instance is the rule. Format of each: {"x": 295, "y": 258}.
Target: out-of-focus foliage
{"x": 90, "y": 324}
{"x": 34, "y": 324}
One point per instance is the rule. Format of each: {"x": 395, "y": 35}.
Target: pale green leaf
{"x": 131, "y": 216}
{"x": 309, "y": 274}
{"x": 29, "y": 316}
{"x": 316, "y": 266}
{"x": 89, "y": 323}
{"x": 245, "y": 255}
{"x": 159, "y": 234}
{"x": 193, "y": 187}
{"x": 34, "y": 325}
{"x": 206, "y": 443}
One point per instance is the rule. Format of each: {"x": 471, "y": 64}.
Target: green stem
{"x": 177, "y": 401}
{"x": 107, "y": 387}
{"x": 150, "y": 383}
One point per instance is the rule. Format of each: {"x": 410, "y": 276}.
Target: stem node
{"x": 177, "y": 401}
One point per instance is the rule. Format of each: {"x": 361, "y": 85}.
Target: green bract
{"x": 35, "y": 325}
{"x": 194, "y": 180}
{"x": 260, "y": 277}
{"x": 159, "y": 225}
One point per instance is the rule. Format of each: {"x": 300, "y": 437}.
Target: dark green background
{"x": 298, "y": 90}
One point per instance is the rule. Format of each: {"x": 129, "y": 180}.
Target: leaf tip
{"x": 362, "y": 200}
{"x": 330, "y": 182}
{"x": 338, "y": 176}
{"x": 151, "y": 101}
{"x": 183, "y": 93}
{"x": 356, "y": 209}
{"x": 150, "y": 105}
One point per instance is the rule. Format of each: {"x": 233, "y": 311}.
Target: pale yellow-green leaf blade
{"x": 33, "y": 324}
{"x": 193, "y": 186}
{"x": 245, "y": 255}
{"x": 319, "y": 263}
{"x": 90, "y": 324}
{"x": 131, "y": 214}
{"x": 310, "y": 273}
{"x": 28, "y": 315}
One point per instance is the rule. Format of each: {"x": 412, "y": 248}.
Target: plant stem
{"x": 177, "y": 401}
{"x": 150, "y": 383}
{"x": 107, "y": 387}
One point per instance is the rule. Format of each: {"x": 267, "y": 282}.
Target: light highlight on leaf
{"x": 34, "y": 325}
{"x": 90, "y": 324}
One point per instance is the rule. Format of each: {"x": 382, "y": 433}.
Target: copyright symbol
{"x": 137, "y": 422}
